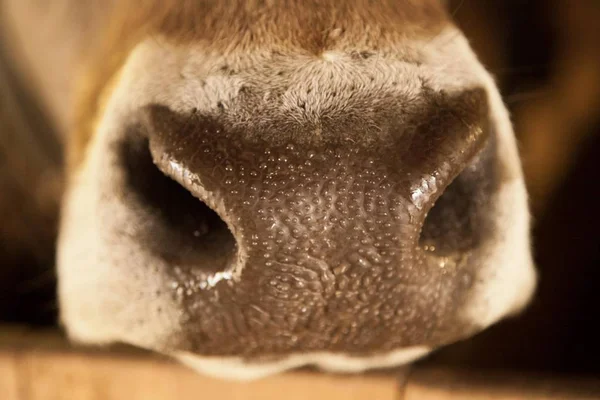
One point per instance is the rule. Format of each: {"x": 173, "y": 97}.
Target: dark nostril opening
{"x": 177, "y": 226}
{"x": 458, "y": 220}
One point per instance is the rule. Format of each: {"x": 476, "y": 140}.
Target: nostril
{"x": 457, "y": 221}
{"x": 176, "y": 226}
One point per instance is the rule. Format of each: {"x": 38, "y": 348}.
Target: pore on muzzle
{"x": 346, "y": 238}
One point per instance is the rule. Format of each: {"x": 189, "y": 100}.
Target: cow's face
{"x": 289, "y": 185}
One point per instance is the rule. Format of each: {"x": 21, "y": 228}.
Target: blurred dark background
{"x": 545, "y": 55}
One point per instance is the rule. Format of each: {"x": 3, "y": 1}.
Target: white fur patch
{"x": 99, "y": 303}
{"x": 507, "y": 283}
{"x": 236, "y": 368}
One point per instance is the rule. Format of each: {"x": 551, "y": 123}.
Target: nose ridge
{"x": 327, "y": 233}
{"x": 256, "y": 187}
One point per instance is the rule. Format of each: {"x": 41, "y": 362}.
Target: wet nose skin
{"x": 325, "y": 249}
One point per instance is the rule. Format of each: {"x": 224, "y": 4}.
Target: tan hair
{"x": 308, "y": 25}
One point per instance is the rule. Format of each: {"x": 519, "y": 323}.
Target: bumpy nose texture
{"x": 328, "y": 254}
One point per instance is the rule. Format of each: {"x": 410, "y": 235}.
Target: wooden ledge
{"x": 35, "y": 366}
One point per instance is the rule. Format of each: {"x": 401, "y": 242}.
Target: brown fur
{"x": 224, "y": 26}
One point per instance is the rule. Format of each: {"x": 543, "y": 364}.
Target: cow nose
{"x": 310, "y": 241}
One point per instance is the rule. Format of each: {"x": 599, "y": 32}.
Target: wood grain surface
{"x": 42, "y": 365}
